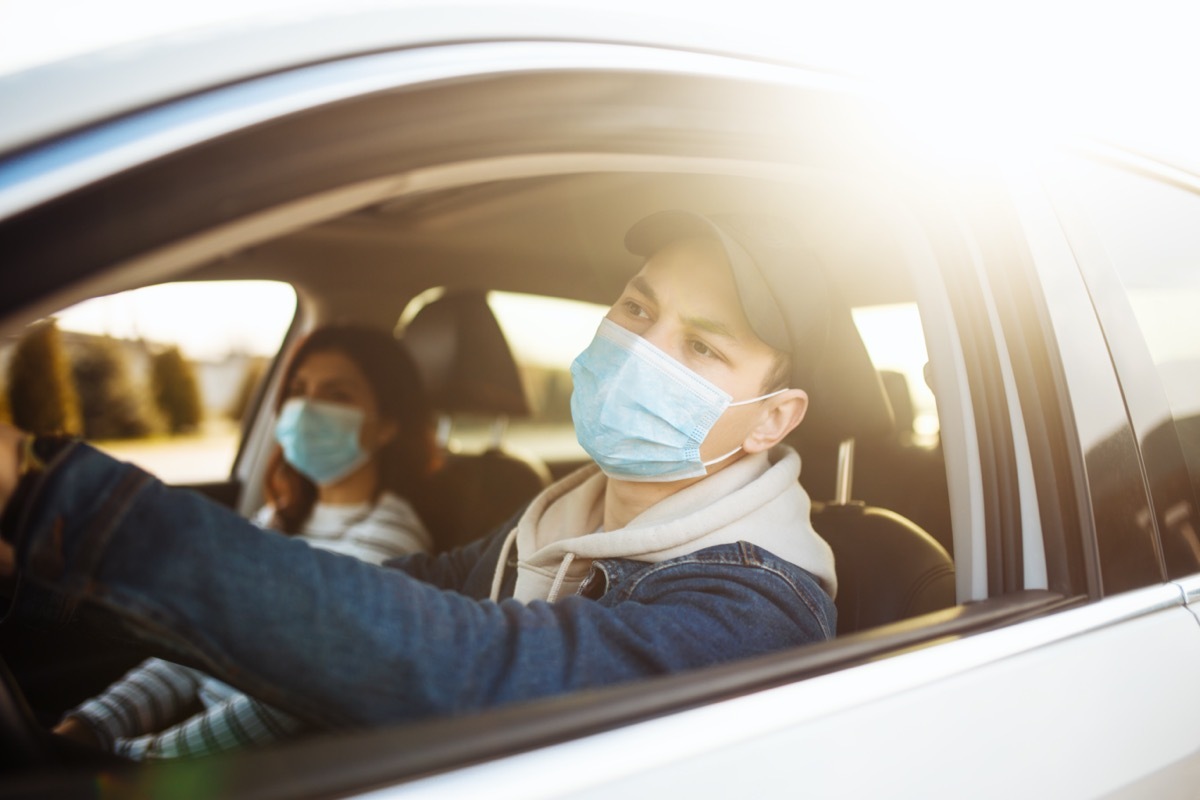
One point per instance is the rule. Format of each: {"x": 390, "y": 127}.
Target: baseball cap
{"x": 783, "y": 291}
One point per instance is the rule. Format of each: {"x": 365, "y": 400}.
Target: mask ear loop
{"x": 719, "y": 459}
{"x": 775, "y": 393}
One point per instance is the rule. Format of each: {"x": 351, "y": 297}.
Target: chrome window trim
{"x": 570, "y": 767}
{"x": 956, "y": 416}
{"x": 1138, "y": 163}
{"x": 1190, "y": 586}
{"x": 51, "y": 170}
{"x": 1033, "y": 550}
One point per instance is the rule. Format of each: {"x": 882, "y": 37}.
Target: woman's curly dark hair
{"x": 405, "y": 463}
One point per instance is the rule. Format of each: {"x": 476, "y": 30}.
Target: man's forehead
{"x": 699, "y": 257}
{"x": 693, "y": 276}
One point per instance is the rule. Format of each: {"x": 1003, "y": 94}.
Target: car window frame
{"x": 1143, "y": 392}
{"x": 1080, "y": 374}
{"x": 1012, "y": 604}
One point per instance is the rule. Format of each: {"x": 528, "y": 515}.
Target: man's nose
{"x": 665, "y": 337}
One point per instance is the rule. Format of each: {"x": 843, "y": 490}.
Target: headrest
{"x": 464, "y": 358}
{"x": 846, "y": 399}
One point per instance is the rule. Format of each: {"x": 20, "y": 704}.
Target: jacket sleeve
{"x": 338, "y": 642}
{"x": 467, "y": 570}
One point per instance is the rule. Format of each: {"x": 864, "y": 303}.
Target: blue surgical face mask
{"x": 640, "y": 414}
{"x": 320, "y": 439}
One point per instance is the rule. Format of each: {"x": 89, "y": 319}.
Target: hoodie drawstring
{"x": 498, "y": 578}
{"x": 559, "y": 577}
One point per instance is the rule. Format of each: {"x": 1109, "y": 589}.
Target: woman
{"x": 355, "y": 439}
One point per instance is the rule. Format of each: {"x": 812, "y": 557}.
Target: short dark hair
{"x": 780, "y": 374}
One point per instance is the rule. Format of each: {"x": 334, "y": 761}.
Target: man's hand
{"x": 10, "y": 448}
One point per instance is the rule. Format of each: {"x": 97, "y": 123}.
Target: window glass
{"x": 545, "y": 334}
{"x": 159, "y": 376}
{"x": 1149, "y": 232}
{"x": 895, "y": 341}
{"x": 907, "y": 473}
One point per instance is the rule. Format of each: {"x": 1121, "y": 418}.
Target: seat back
{"x": 468, "y": 368}
{"x": 888, "y": 568}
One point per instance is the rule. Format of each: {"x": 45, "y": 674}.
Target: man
{"x": 687, "y": 544}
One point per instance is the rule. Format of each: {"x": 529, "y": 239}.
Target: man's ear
{"x": 780, "y": 417}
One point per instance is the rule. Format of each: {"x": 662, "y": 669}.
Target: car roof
{"x": 65, "y": 64}
{"x": 85, "y": 80}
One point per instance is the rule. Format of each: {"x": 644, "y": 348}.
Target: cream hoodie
{"x": 757, "y": 499}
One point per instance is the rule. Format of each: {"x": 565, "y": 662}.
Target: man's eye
{"x": 635, "y": 309}
{"x": 700, "y": 348}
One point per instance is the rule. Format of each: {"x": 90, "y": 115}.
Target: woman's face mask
{"x": 640, "y": 414}
{"x": 321, "y": 439}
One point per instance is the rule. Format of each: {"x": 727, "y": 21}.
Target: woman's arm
{"x": 237, "y": 722}
{"x": 150, "y": 697}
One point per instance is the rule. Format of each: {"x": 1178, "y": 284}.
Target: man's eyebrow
{"x": 643, "y": 286}
{"x": 706, "y": 324}
{"x": 710, "y": 325}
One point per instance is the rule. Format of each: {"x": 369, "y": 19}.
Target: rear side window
{"x": 905, "y": 473}
{"x": 1149, "y": 235}
{"x": 544, "y": 334}
{"x": 159, "y": 376}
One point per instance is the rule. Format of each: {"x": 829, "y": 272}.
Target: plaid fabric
{"x": 145, "y": 715}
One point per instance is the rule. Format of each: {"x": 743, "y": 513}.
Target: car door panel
{"x": 1041, "y": 708}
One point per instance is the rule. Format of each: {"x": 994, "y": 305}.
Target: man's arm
{"x": 336, "y": 641}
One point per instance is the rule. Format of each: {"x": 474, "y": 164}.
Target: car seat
{"x": 888, "y": 568}
{"x": 898, "y": 472}
{"x": 468, "y": 369}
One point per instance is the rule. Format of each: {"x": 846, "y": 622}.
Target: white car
{"x": 1019, "y": 553}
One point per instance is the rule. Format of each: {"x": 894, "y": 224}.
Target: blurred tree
{"x": 252, "y": 375}
{"x": 113, "y": 406}
{"x": 176, "y": 390}
{"x": 41, "y": 396}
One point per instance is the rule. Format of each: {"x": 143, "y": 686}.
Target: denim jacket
{"x": 340, "y": 642}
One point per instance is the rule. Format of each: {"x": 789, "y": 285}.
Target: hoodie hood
{"x": 758, "y": 500}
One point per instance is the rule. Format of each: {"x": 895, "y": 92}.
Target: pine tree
{"x": 41, "y": 395}
{"x": 112, "y": 404}
{"x": 176, "y": 390}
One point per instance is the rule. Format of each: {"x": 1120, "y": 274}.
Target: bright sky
{"x": 545, "y": 331}
{"x": 206, "y": 319}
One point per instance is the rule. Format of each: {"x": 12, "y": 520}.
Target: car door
{"x": 1089, "y": 695}
{"x": 1051, "y": 584}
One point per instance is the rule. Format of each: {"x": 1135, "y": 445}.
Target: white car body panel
{"x": 1041, "y": 709}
